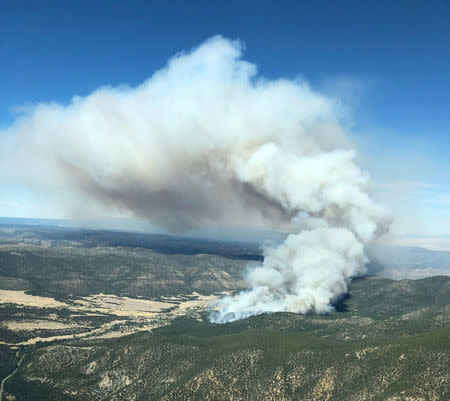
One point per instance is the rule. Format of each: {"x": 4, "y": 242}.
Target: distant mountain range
{"x": 395, "y": 262}
{"x": 399, "y": 262}
{"x": 101, "y": 339}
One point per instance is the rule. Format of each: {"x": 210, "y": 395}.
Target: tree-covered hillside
{"x": 389, "y": 342}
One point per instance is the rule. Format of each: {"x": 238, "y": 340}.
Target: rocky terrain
{"x": 389, "y": 342}
{"x": 84, "y": 320}
{"x": 73, "y": 270}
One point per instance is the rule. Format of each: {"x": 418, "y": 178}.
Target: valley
{"x": 88, "y": 319}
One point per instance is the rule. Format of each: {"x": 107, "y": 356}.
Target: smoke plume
{"x": 206, "y": 140}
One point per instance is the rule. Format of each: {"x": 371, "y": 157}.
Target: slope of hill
{"x": 390, "y": 342}
{"x": 112, "y": 316}
{"x": 74, "y": 271}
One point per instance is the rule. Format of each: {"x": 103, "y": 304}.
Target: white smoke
{"x": 205, "y": 140}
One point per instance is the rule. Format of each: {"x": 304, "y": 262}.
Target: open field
{"x": 82, "y": 318}
{"x": 389, "y": 341}
{"x": 127, "y": 315}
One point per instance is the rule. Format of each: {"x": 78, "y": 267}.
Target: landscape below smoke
{"x": 207, "y": 140}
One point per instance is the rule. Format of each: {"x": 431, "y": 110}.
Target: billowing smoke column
{"x": 205, "y": 140}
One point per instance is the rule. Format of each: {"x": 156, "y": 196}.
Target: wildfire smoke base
{"x": 205, "y": 140}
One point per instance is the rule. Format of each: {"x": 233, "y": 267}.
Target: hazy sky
{"x": 388, "y": 61}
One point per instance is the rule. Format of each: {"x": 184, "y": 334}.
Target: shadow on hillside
{"x": 341, "y": 304}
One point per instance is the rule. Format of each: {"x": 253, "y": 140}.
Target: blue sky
{"x": 388, "y": 60}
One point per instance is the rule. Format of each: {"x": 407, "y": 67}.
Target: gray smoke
{"x": 205, "y": 140}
